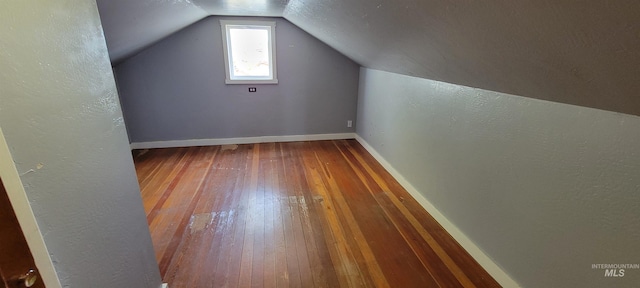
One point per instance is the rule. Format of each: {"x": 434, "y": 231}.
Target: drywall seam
{"x": 492, "y": 268}
{"x": 241, "y": 140}
{"x": 20, "y": 202}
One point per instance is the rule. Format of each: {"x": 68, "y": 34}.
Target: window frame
{"x": 270, "y": 26}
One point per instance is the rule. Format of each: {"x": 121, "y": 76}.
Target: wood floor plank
{"x": 162, "y": 181}
{"x": 296, "y": 202}
{"x": 338, "y": 196}
{"x": 427, "y": 236}
{"x": 298, "y": 214}
{"x": 344, "y": 258}
{"x": 231, "y": 262}
{"x": 291, "y": 219}
{"x": 320, "y": 263}
{"x": 367, "y": 210}
{"x": 269, "y": 201}
{"x": 281, "y": 268}
{"x": 430, "y": 260}
{"x": 193, "y": 189}
{"x": 201, "y": 227}
{"x": 478, "y": 276}
{"x": 224, "y": 182}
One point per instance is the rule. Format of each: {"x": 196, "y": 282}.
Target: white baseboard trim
{"x": 492, "y": 268}
{"x": 242, "y": 140}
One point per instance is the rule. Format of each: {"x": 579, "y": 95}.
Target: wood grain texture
{"x": 15, "y": 256}
{"x": 298, "y": 214}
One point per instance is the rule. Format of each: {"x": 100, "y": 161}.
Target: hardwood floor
{"x": 299, "y": 214}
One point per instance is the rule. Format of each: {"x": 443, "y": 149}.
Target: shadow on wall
{"x": 544, "y": 189}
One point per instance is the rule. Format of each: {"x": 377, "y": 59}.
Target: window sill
{"x": 232, "y": 82}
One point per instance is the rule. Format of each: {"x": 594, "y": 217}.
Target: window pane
{"x": 250, "y": 52}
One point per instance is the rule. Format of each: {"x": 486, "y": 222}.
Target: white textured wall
{"x": 545, "y": 189}
{"x": 61, "y": 119}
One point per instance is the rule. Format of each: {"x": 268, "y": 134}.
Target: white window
{"x": 249, "y": 51}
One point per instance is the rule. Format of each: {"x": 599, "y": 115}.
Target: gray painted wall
{"x": 61, "y": 118}
{"x": 544, "y": 189}
{"x": 577, "y": 52}
{"x": 564, "y": 51}
{"x": 175, "y": 89}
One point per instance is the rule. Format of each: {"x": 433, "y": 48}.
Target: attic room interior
{"x": 405, "y": 144}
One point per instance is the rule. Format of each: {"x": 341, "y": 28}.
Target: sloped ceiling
{"x": 132, "y": 25}
{"x": 578, "y": 52}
